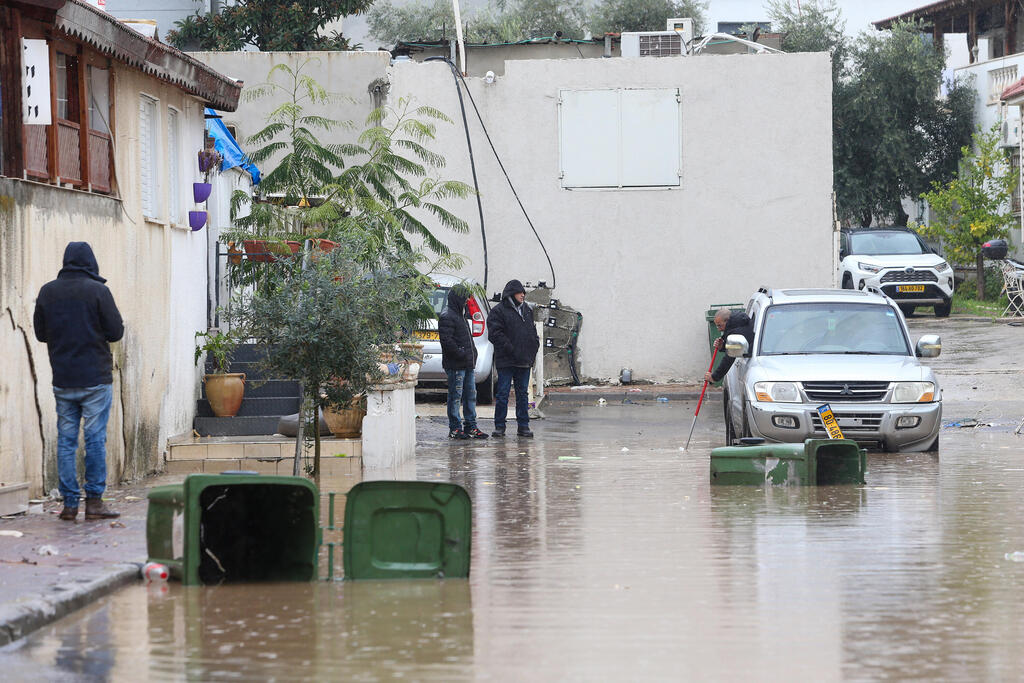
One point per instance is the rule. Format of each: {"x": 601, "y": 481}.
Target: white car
{"x": 851, "y": 351}
{"x": 432, "y": 373}
{"x": 899, "y": 263}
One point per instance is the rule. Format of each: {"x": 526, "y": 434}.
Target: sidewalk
{"x": 88, "y": 560}
{"x": 587, "y": 394}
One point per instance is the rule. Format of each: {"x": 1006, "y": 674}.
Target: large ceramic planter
{"x": 345, "y": 423}
{"x": 225, "y": 392}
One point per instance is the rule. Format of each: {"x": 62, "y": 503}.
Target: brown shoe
{"x": 69, "y": 514}
{"x": 95, "y": 509}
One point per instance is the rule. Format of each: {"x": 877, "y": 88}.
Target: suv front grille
{"x": 845, "y": 391}
{"x": 912, "y": 276}
{"x": 850, "y": 422}
{"x": 930, "y": 292}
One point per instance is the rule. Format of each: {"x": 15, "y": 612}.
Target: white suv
{"x": 898, "y": 262}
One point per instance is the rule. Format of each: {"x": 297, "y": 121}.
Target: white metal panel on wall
{"x": 147, "y": 155}
{"x": 174, "y": 165}
{"x": 651, "y": 148}
{"x": 624, "y": 137}
{"x": 589, "y": 125}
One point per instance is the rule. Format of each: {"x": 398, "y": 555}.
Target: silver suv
{"x": 848, "y": 349}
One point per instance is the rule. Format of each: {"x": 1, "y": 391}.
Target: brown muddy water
{"x": 593, "y": 562}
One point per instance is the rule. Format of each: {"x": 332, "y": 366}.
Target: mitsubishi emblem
{"x": 846, "y": 391}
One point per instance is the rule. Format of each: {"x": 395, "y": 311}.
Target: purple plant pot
{"x": 204, "y": 163}
{"x": 196, "y": 220}
{"x": 201, "y": 192}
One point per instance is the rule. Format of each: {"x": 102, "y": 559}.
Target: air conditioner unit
{"x": 1010, "y": 133}
{"x": 678, "y": 40}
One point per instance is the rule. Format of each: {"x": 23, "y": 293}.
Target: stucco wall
{"x": 157, "y": 274}
{"x": 754, "y": 207}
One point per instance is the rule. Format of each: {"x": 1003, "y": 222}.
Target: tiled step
{"x": 269, "y": 389}
{"x": 253, "y": 371}
{"x": 253, "y": 425}
{"x": 329, "y": 466}
{"x": 266, "y": 455}
{"x": 254, "y": 407}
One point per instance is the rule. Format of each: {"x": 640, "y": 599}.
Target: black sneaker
{"x": 498, "y": 433}
{"x": 525, "y": 433}
{"x": 475, "y": 433}
{"x": 457, "y": 434}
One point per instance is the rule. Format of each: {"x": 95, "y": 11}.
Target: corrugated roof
{"x": 1013, "y": 91}
{"x": 927, "y": 11}
{"x": 108, "y": 35}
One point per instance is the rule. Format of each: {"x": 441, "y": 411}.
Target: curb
{"x": 18, "y": 619}
{"x": 587, "y": 397}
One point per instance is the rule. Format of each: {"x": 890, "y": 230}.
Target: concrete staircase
{"x": 266, "y": 400}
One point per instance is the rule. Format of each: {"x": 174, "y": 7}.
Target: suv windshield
{"x": 878, "y": 243}
{"x": 832, "y": 328}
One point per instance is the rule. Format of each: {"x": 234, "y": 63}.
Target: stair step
{"x": 258, "y": 425}
{"x": 252, "y": 370}
{"x": 274, "y": 388}
{"x": 254, "y": 407}
{"x": 249, "y": 353}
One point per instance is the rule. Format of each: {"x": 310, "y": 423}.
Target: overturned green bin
{"x": 407, "y": 530}
{"x": 814, "y": 462}
{"x": 235, "y": 527}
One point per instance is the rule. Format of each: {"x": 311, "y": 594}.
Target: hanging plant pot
{"x": 201, "y": 192}
{"x": 196, "y": 220}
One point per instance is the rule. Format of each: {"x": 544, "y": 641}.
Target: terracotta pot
{"x": 345, "y": 423}
{"x": 225, "y": 392}
{"x": 234, "y": 253}
{"x": 257, "y": 251}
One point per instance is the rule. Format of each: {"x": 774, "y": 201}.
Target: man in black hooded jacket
{"x": 77, "y": 318}
{"x": 514, "y": 336}
{"x": 458, "y": 358}
{"x": 728, "y": 323}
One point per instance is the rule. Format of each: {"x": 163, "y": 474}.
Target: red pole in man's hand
{"x": 702, "y": 392}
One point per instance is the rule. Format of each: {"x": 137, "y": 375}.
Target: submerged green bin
{"x": 814, "y": 462}
{"x": 713, "y": 332}
{"x": 407, "y": 530}
{"x": 775, "y": 463}
{"x": 235, "y": 527}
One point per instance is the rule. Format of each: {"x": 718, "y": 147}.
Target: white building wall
{"x": 754, "y": 207}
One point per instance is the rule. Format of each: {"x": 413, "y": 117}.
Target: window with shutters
{"x": 620, "y": 138}
{"x": 175, "y": 194}
{"x": 101, "y": 162}
{"x": 149, "y": 175}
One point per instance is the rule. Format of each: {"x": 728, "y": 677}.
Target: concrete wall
{"x": 754, "y": 207}
{"x": 157, "y": 274}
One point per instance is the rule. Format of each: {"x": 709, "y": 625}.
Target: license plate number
{"x": 909, "y": 288}
{"x": 429, "y": 335}
{"x": 829, "y": 420}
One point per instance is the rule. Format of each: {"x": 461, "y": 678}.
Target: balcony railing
{"x": 999, "y": 80}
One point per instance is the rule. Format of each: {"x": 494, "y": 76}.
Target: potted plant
{"x": 224, "y": 390}
{"x": 209, "y": 162}
{"x": 347, "y": 422}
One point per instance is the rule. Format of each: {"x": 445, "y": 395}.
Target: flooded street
{"x": 601, "y": 552}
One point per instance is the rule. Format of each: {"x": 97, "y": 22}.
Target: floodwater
{"x": 594, "y": 562}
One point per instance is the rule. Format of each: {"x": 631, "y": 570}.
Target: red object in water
{"x": 154, "y": 572}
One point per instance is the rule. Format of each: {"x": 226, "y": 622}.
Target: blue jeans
{"x": 506, "y": 377}
{"x": 461, "y": 389}
{"x": 73, "y": 405}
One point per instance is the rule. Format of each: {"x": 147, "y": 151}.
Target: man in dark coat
{"x": 728, "y": 323}
{"x": 77, "y": 318}
{"x": 458, "y": 358}
{"x": 514, "y": 336}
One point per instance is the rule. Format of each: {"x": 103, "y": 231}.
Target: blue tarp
{"x": 225, "y": 143}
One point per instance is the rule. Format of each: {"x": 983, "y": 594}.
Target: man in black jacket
{"x": 728, "y": 323}
{"x": 77, "y": 319}
{"x": 511, "y": 330}
{"x": 458, "y": 358}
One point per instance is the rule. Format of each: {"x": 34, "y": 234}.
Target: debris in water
{"x": 662, "y": 399}
{"x": 1017, "y": 556}
{"x": 12, "y": 533}
{"x": 601, "y": 402}
{"x": 582, "y": 387}
{"x": 569, "y": 457}
{"x": 625, "y": 450}
{"x": 47, "y": 550}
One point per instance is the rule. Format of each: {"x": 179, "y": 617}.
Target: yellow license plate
{"x": 429, "y": 335}
{"x": 909, "y": 288}
{"x": 829, "y": 420}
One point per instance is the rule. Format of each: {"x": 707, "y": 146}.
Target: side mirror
{"x": 842, "y": 254}
{"x": 929, "y": 346}
{"x": 736, "y": 346}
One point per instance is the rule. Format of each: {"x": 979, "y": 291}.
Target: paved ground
{"x": 52, "y": 567}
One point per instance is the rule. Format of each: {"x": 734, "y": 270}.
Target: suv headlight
{"x": 913, "y": 392}
{"x": 776, "y": 392}
{"x": 942, "y": 267}
{"x": 867, "y": 267}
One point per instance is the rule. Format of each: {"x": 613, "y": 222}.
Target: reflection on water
{"x": 597, "y": 563}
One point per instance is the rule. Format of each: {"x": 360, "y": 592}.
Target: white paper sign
{"x": 35, "y": 81}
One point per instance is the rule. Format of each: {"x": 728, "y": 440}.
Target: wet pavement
{"x": 600, "y": 551}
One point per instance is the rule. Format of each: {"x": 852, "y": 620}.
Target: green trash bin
{"x": 769, "y": 463}
{"x": 235, "y": 527}
{"x": 407, "y": 530}
{"x": 713, "y": 332}
{"x": 837, "y": 461}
